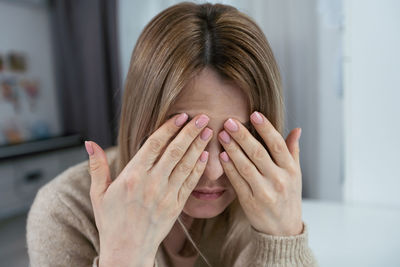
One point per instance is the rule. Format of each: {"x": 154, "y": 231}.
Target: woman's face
{"x": 219, "y": 100}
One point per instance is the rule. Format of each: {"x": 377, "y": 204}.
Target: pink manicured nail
{"x": 201, "y": 121}
{"x": 204, "y": 156}
{"x": 225, "y": 137}
{"x": 231, "y": 125}
{"x": 181, "y": 119}
{"x": 89, "y": 148}
{"x": 224, "y": 156}
{"x": 256, "y": 117}
{"x": 205, "y": 134}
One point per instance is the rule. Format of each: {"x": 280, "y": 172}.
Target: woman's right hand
{"x": 136, "y": 211}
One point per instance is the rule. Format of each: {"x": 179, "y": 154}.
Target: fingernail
{"x": 89, "y": 148}
{"x": 205, "y": 134}
{"x": 225, "y": 137}
{"x": 204, "y": 156}
{"x": 202, "y": 121}
{"x": 299, "y": 135}
{"x": 181, "y": 119}
{"x": 256, "y": 117}
{"x": 224, "y": 156}
{"x": 231, "y": 125}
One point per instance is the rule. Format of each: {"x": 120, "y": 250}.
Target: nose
{"x": 214, "y": 169}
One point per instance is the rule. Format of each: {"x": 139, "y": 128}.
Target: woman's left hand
{"x": 269, "y": 189}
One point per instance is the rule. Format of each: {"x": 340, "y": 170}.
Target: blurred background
{"x": 62, "y": 70}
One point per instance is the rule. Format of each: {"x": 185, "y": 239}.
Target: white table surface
{"x": 353, "y": 234}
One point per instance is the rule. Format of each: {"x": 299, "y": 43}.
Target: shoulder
{"x": 71, "y": 187}
{"x": 60, "y": 222}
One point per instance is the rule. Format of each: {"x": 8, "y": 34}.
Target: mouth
{"x": 207, "y": 195}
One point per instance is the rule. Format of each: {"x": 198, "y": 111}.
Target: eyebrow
{"x": 246, "y": 124}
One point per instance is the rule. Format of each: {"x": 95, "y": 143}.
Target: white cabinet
{"x": 21, "y": 177}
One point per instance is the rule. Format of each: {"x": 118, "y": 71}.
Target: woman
{"x": 197, "y": 178}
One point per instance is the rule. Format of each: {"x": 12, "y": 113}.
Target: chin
{"x": 205, "y": 209}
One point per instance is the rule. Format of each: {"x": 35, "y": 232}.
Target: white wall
{"x": 372, "y": 109}
{"x": 330, "y": 171}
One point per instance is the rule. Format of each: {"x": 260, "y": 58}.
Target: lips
{"x": 208, "y": 196}
{"x": 209, "y": 190}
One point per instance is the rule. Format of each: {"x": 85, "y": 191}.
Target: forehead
{"x": 210, "y": 94}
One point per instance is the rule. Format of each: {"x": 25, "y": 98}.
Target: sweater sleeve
{"x": 277, "y": 251}
{"x": 55, "y": 236}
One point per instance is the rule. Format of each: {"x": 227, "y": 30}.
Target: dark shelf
{"x": 39, "y": 146}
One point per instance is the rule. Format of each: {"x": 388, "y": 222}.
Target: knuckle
{"x": 191, "y": 183}
{"x": 247, "y": 170}
{"x": 198, "y": 145}
{"x": 176, "y": 152}
{"x": 130, "y": 184}
{"x": 155, "y": 145}
{"x": 199, "y": 169}
{"x": 232, "y": 149}
{"x": 171, "y": 129}
{"x": 95, "y": 166}
{"x": 242, "y": 135}
{"x": 292, "y": 166}
{"x": 277, "y": 147}
{"x": 259, "y": 153}
{"x": 193, "y": 133}
{"x": 280, "y": 185}
{"x": 184, "y": 167}
{"x": 192, "y": 180}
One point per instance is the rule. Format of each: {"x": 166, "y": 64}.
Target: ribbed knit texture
{"x": 282, "y": 250}
{"x": 61, "y": 230}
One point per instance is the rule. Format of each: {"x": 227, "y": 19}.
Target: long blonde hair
{"x": 173, "y": 48}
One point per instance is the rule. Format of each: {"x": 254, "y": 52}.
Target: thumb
{"x": 292, "y": 142}
{"x": 99, "y": 169}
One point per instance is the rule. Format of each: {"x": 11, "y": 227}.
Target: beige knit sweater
{"x": 61, "y": 230}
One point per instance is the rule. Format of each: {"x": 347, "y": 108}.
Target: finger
{"x": 99, "y": 170}
{"x": 190, "y": 183}
{"x": 292, "y": 142}
{"x": 186, "y": 165}
{"x": 242, "y": 164}
{"x": 178, "y": 147}
{"x": 241, "y": 186}
{"x": 156, "y": 142}
{"x": 256, "y": 152}
{"x": 273, "y": 139}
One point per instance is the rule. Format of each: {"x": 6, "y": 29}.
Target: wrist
{"x": 138, "y": 262}
{"x": 131, "y": 258}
